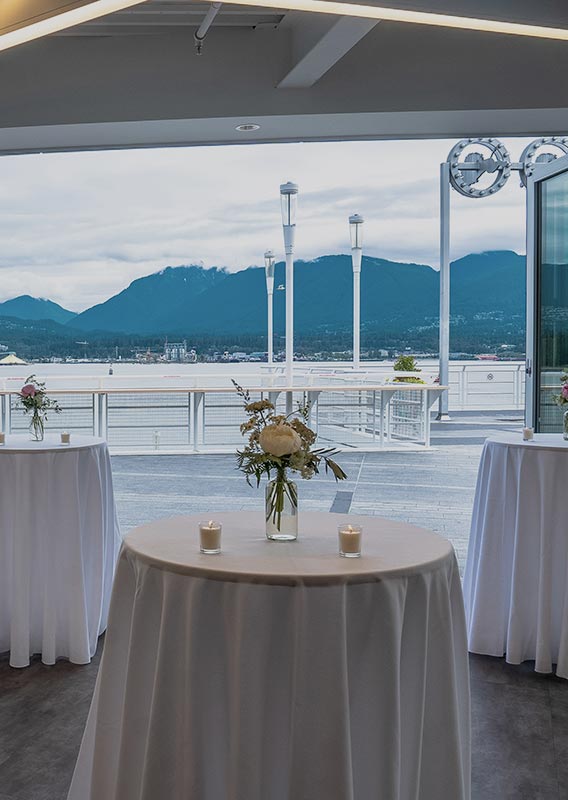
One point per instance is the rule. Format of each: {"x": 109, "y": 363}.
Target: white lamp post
{"x": 269, "y": 268}
{"x": 289, "y": 200}
{"x": 356, "y": 229}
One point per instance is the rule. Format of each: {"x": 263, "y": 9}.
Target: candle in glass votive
{"x": 528, "y": 434}
{"x": 210, "y": 537}
{"x": 65, "y": 438}
{"x": 2, "y": 438}
{"x": 350, "y": 541}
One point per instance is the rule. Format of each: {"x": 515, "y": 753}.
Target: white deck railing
{"x": 360, "y": 415}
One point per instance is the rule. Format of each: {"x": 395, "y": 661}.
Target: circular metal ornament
{"x": 487, "y": 157}
{"x": 541, "y": 151}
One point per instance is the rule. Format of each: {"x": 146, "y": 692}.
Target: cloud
{"x": 78, "y": 227}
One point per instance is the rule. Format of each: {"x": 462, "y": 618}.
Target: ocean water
{"x": 173, "y": 375}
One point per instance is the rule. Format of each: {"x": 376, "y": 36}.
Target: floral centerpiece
{"x": 35, "y": 401}
{"x": 278, "y": 444}
{"x": 562, "y": 400}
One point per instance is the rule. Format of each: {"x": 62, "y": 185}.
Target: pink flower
{"x": 29, "y": 390}
{"x": 565, "y": 391}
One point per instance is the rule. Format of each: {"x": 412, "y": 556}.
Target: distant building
{"x": 177, "y": 351}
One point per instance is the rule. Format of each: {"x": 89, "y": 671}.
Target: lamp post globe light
{"x": 269, "y": 269}
{"x": 356, "y": 222}
{"x": 289, "y": 201}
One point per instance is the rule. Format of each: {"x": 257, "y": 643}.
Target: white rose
{"x": 279, "y": 440}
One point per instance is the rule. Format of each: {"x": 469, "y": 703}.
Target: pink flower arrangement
{"x": 34, "y": 400}
{"x": 562, "y": 398}
{"x": 29, "y": 390}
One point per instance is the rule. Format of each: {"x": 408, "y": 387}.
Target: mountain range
{"x": 35, "y": 308}
{"x": 487, "y": 290}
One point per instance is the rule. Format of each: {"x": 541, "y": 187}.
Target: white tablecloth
{"x": 516, "y": 577}
{"x": 280, "y": 671}
{"x": 59, "y": 540}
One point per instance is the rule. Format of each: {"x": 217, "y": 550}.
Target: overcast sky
{"x": 78, "y": 227}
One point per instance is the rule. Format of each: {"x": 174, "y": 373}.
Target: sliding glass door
{"x": 547, "y": 287}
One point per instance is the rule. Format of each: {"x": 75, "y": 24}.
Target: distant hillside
{"x": 159, "y": 302}
{"x": 35, "y": 308}
{"x": 488, "y": 289}
{"x": 210, "y": 307}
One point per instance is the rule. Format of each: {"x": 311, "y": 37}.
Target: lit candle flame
{"x": 210, "y": 523}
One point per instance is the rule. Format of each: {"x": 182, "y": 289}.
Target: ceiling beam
{"x": 26, "y": 20}
{"x": 318, "y": 44}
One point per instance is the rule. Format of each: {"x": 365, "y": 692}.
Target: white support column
{"x": 356, "y": 319}
{"x": 288, "y": 199}
{"x": 269, "y": 272}
{"x": 270, "y": 330}
{"x": 444, "y": 288}
{"x": 289, "y": 327}
{"x": 356, "y": 223}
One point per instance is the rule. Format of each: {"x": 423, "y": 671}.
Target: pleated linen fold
{"x": 59, "y": 541}
{"x": 516, "y": 576}
{"x": 214, "y": 690}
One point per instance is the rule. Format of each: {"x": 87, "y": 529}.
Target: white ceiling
{"x": 133, "y": 78}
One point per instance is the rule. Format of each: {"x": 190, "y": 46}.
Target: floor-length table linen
{"x": 280, "y": 671}
{"x": 59, "y": 540}
{"x": 516, "y": 576}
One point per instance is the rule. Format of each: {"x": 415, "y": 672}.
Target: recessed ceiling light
{"x": 246, "y": 127}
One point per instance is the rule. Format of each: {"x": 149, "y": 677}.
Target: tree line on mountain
{"x": 218, "y": 310}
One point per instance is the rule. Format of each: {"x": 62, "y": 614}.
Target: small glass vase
{"x": 565, "y": 425}
{"x": 37, "y": 428}
{"x": 281, "y": 510}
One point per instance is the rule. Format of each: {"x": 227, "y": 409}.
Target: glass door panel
{"x": 551, "y": 313}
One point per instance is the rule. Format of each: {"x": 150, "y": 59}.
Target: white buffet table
{"x": 59, "y": 541}
{"x": 280, "y": 670}
{"x": 516, "y": 577}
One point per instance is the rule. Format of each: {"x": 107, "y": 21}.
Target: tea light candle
{"x": 350, "y": 541}
{"x": 528, "y": 434}
{"x": 2, "y": 438}
{"x": 65, "y": 438}
{"x": 210, "y": 537}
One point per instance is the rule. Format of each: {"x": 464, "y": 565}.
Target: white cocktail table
{"x": 59, "y": 539}
{"x": 280, "y": 670}
{"x": 516, "y": 577}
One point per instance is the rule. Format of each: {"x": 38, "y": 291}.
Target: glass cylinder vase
{"x": 565, "y": 425}
{"x": 36, "y": 427}
{"x": 281, "y": 510}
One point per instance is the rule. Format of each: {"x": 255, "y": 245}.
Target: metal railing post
{"x": 313, "y": 400}
{"x": 426, "y": 396}
{"x": 100, "y": 403}
{"x": 197, "y": 405}
{"x": 461, "y": 388}
{"x": 374, "y": 416}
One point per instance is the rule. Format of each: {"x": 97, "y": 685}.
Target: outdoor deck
{"x": 520, "y": 719}
{"x": 433, "y": 489}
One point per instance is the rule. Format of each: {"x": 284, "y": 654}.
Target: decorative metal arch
{"x": 468, "y": 162}
{"x": 466, "y": 173}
